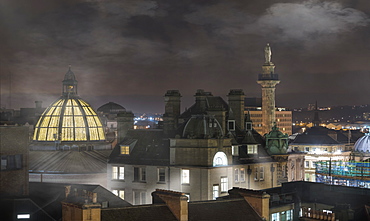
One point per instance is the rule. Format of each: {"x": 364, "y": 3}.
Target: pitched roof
{"x": 142, "y": 212}
{"x": 147, "y": 147}
{"x": 69, "y": 161}
{"x": 212, "y": 102}
{"x": 49, "y": 196}
{"x": 316, "y": 136}
{"x": 229, "y": 209}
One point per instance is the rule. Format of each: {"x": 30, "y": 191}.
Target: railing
{"x": 343, "y": 168}
{"x": 268, "y": 77}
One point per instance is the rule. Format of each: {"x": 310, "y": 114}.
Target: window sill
{"x": 138, "y": 181}
{"x": 161, "y": 182}
{"x": 185, "y": 184}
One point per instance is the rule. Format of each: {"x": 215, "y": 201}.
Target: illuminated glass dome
{"x": 363, "y": 144}
{"x": 69, "y": 118}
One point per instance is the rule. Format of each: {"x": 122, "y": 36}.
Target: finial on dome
{"x": 69, "y": 66}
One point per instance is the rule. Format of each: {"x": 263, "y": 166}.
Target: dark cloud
{"x": 133, "y": 51}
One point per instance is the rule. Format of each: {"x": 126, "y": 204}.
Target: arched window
{"x": 220, "y": 159}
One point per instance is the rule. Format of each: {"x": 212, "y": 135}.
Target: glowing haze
{"x": 131, "y": 52}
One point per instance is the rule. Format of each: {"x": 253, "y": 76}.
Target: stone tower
{"x": 268, "y": 80}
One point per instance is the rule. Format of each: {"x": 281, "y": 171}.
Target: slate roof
{"x": 49, "y": 196}
{"x": 144, "y": 212}
{"x": 230, "y": 209}
{"x": 147, "y": 147}
{"x": 111, "y": 107}
{"x": 212, "y": 102}
{"x": 315, "y": 136}
{"x": 78, "y": 162}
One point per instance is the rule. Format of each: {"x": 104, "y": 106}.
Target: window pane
{"x": 114, "y": 173}
{"x": 121, "y": 173}
{"x": 242, "y": 174}
{"x": 143, "y": 175}
{"x": 224, "y": 184}
{"x": 161, "y": 175}
{"x": 122, "y": 194}
{"x": 215, "y": 191}
{"x": 185, "y": 176}
{"x": 236, "y": 175}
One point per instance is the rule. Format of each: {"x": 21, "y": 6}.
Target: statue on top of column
{"x": 268, "y": 54}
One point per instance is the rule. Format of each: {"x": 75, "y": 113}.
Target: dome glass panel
{"x": 69, "y": 119}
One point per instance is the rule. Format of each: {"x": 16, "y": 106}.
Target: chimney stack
{"x": 259, "y": 200}
{"x": 177, "y": 202}
{"x": 125, "y": 122}
{"x": 172, "y": 100}
{"x": 236, "y": 103}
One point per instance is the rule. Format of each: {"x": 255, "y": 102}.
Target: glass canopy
{"x": 69, "y": 119}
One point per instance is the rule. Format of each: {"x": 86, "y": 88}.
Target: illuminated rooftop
{"x": 69, "y": 118}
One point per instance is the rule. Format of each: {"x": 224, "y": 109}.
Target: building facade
{"x": 283, "y": 119}
{"x": 205, "y": 155}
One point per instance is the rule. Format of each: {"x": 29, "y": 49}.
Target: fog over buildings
{"x": 130, "y": 52}
{"x": 224, "y": 133}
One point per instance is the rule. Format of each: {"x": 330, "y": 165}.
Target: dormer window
{"x": 248, "y": 125}
{"x": 231, "y": 125}
{"x": 235, "y": 150}
{"x": 252, "y": 149}
{"x": 125, "y": 150}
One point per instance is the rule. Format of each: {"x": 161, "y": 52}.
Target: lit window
{"x": 187, "y": 195}
{"x": 125, "y": 149}
{"x": 235, "y": 150}
{"x": 115, "y": 192}
{"x": 224, "y": 184}
{"x": 252, "y": 149}
{"x": 118, "y": 173}
{"x": 242, "y": 175}
{"x": 220, "y": 159}
{"x": 236, "y": 175}
{"x": 23, "y": 216}
{"x": 120, "y": 193}
{"x": 275, "y": 217}
{"x": 185, "y": 176}
{"x": 161, "y": 175}
{"x": 289, "y": 215}
{"x": 139, "y": 174}
{"x": 262, "y": 173}
{"x": 215, "y": 191}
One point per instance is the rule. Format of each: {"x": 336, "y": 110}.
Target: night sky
{"x": 131, "y": 52}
